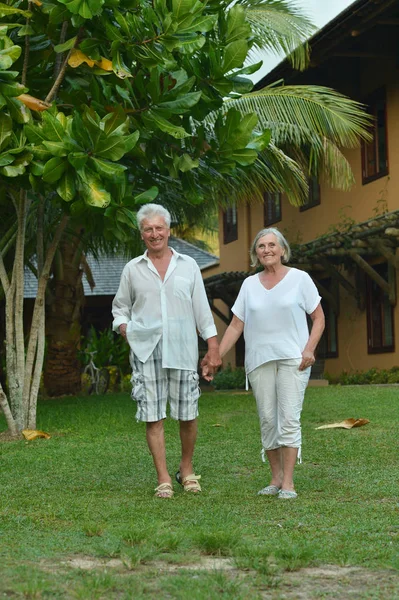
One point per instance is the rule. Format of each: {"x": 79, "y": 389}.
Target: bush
{"x": 371, "y": 376}
{"x": 111, "y": 349}
{"x": 227, "y": 379}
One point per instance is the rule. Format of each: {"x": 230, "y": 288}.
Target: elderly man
{"x": 159, "y": 306}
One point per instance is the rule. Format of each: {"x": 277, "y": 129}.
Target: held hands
{"x": 308, "y": 360}
{"x": 122, "y": 330}
{"x": 210, "y": 363}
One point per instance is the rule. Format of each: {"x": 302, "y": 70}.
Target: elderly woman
{"x": 271, "y": 309}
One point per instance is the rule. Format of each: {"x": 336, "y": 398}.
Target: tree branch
{"x": 12, "y": 426}
{"x": 54, "y": 90}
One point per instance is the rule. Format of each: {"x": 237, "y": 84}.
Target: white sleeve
{"x": 202, "y": 311}
{"x": 310, "y": 294}
{"x": 123, "y": 302}
{"x": 238, "y": 308}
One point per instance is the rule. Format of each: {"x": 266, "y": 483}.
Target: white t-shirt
{"x": 275, "y": 324}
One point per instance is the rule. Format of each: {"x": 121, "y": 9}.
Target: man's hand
{"x": 211, "y": 363}
{"x": 122, "y": 330}
{"x": 308, "y": 360}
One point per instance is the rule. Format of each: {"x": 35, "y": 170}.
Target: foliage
{"x": 95, "y": 502}
{"x": 111, "y": 349}
{"x": 370, "y": 376}
{"x": 229, "y": 379}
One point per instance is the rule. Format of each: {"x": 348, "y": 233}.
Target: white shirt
{"x": 275, "y": 324}
{"x": 173, "y": 309}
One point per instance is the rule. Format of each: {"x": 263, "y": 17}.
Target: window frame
{"x": 373, "y": 101}
{"x": 312, "y": 200}
{"x": 272, "y": 197}
{"x": 230, "y": 225}
{"x": 371, "y": 348}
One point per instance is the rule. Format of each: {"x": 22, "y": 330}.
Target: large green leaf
{"x": 65, "y": 46}
{"x": 182, "y": 104}
{"x": 182, "y": 7}
{"x": 110, "y": 148}
{"x": 78, "y": 159}
{"x": 52, "y": 128}
{"x": 234, "y": 55}
{"x": 107, "y": 169}
{"x": 6, "y": 11}
{"x": 18, "y": 111}
{"x": 186, "y": 163}
{"x": 85, "y": 8}
{"x": 154, "y": 119}
{"x": 53, "y": 169}
{"x": 147, "y": 196}
{"x": 66, "y": 188}
{"x": 203, "y": 24}
{"x": 92, "y": 190}
{"x": 244, "y": 157}
{"x": 5, "y": 130}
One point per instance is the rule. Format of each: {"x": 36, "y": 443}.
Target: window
{"x": 375, "y": 152}
{"x": 380, "y": 320}
{"x": 272, "y": 208}
{"x": 328, "y": 345}
{"x": 314, "y": 195}
{"x": 230, "y": 230}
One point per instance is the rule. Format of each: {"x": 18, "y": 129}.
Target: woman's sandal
{"x": 164, "y": 490}
{"x": 189, "y": 483}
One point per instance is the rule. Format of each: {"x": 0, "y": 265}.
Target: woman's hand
{"x": 308, "y": 360}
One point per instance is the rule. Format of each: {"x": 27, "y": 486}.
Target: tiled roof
{"x": 107, "y": 271}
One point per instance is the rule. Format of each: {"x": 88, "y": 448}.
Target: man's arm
{"x": 122, "y": 306}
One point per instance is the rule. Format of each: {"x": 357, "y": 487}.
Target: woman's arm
{"x": 318, "y": 323}
{"x": 230, "y": 337}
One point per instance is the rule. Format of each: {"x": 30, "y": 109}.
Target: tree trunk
{"x": 63, "y": 329}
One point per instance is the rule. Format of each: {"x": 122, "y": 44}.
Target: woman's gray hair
{"x": 151, "y": 210}
{"x": 280, "y": 239}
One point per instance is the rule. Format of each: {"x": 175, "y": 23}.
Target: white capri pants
{"x": 279, "y": 389}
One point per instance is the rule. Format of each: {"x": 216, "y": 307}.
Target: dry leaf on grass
{"x": 347, "y": 424}
{"x": 33, "y": 434}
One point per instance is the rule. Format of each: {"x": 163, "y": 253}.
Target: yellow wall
{"x": 361, "y": 203}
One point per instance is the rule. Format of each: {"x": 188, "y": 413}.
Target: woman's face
{"x": 269, "y": 251}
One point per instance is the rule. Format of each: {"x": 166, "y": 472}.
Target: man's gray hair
{"x": 280, "y": 239}
{"x": 151, "y": 210}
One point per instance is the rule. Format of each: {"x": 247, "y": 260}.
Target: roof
{"x": 342, "y": 36}
{"x": 107, "y": 271}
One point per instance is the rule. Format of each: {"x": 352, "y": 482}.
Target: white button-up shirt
{"x": 172, "y": 309}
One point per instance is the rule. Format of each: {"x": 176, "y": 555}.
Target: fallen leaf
{"x": 217, "y": 425}
{"x": 346, "y": 424}
{"x": 33, "y": 434}
{"x": 77, "y": 58}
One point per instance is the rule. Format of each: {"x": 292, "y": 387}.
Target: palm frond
{"x": 280, "y": 27}
{"x": 323, "y": 111}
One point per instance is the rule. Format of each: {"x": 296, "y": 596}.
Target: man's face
{"x": 155, "y": 233}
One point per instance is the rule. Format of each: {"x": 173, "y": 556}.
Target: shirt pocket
{"x": 182, "y": 288}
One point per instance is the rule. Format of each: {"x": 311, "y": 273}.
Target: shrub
{"x": 229, "y": 379}
{"x": 373, "y": 375}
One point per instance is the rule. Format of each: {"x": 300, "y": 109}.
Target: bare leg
{"x": 156, "y": 443}
{"x": 275, "y": 458}
{"x": 188, "y": 436}
{"x": 289, "y": 456}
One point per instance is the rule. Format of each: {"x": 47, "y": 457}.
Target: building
{"x": 347, "y": 241}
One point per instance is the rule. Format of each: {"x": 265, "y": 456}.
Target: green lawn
{"x": 86, "y": 494}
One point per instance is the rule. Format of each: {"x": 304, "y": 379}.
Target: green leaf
{"x": 114, "y": 120}
{"x": 34, "y": 134}
{"x": 154, "y": 119}
{"x": 65, "y": 46}
{"x": 260, "y": 141}
{"x": 250, "y": 69}
{"x": 93, "y": 191}
{"x": 14, "y": 52}
{"x": 235, "y": 18}
{"x": 131, "y": 141}
{"x": 244, "y": 157}
{"x": 191, "y": 44}
{"x": 85, "y": 8}
{"x": 182, "y": 104}
{"x": 234, "y": 55}
{"x": 181, "y": 7}
{"x": 12, "y": 171}
{"x": 12, "y": 89}
{"x": 26, "y": 30}
{"x": 66, "y": 188}
{"x": 5, "y": 61}
{"x": 52, "y": 128}
{"x": 36, "y": 168}
{"x": 186, "y": 163}
{"x": 107, "y": 169}
{"x": 56, "y": 148}
{"x": 53, "y": 169}
{"x": 147, "y": 196}
{"x": 5, "y": 130}
{"x": 6, "y": 11}
{"x": 203, "y": 24}
{"x": 18, "y": 111}
{"x": 111, "y": 148}
{"x": 78, "y": 159}
{"x": 6, "y": 159}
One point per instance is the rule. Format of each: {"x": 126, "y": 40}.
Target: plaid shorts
{"x": 153, "y": 385}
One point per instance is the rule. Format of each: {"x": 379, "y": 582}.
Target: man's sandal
{"x": 164, "y": 490}
{"x": 189, "y": 483}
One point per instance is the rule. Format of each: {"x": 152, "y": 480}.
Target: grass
{"x": 86, "y": 493}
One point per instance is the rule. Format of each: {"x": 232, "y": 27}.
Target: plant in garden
{"x": 110, "y": 104}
